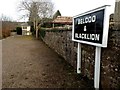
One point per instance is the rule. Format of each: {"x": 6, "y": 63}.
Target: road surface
{"x": 29, "y": 63}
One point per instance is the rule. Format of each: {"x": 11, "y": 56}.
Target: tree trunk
{"x": 36, "y": 33}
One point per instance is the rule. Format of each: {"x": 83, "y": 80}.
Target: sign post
{"x": 92, "y": 28}
{"x": 97, "y": 67}
{"x": 79, "y": 59}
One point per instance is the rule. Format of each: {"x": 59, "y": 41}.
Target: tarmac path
{"x": 29, "y": 63}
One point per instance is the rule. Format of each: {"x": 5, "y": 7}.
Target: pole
{"x": 97, "y": 68}
{"x": 79, "y": 59}
{"x": 1, "y": 64}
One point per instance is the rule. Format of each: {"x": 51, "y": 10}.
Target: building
{"x": 62, "y": 21}
{"x": 26, "y": 29}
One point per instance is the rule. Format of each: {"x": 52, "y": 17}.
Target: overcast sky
{"x": 66, "y": 7}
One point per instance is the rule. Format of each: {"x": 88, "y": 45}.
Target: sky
{"x": 66, "y": 7}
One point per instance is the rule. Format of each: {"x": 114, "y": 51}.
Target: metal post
{"x": 0, "y": 64}
{"x": 79, "y": 59}
{"x": 97, "y": 68}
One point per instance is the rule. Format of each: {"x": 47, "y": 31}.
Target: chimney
{"x": 117, "y": 0}
{"x": 117, "y": 15}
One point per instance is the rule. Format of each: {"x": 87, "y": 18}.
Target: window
{"x": 24, "y": 27}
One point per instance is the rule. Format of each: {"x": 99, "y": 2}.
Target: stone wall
{"x": 60, "y": 41}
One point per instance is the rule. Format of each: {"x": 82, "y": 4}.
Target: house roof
{"x": 25, "y": 24}
{"x": 63, "y": 20}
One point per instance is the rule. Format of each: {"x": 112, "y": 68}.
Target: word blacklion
{"x": 94, "y": 37}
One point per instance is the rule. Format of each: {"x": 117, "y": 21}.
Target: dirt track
{"x": 29, "y": 63}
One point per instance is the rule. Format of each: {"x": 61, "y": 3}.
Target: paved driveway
{"x": 29, "y": 63}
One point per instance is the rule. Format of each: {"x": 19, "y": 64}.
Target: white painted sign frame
{"x": 105, "y": 26}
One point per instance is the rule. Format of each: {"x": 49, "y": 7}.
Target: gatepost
{"x": 92, "y": 28}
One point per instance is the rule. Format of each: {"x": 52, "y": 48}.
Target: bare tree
{"x": 5, "y": 18}
{"x": 37, "y": 11}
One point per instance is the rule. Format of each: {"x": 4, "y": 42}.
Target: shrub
{"x": 5, "y": 33}
{"x": 13, "y": 31}
{"x": 42, "y": 33}
{"x": 19, "y": 30}
{"x": 5, "y": 30}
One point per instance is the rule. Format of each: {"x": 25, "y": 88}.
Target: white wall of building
{"x": 26, "y": 30}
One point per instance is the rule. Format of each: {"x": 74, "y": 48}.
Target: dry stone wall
{"x": 61, "y": 42}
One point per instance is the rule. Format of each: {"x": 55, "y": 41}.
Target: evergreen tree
{"x": 56, "y": 14}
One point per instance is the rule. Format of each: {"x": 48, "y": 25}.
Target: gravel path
{"x": 29, "y": 63}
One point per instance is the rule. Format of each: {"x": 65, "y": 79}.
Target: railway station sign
{"x": 92, "y": 27}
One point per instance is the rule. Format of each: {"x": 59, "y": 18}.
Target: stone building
{"x": 117, "y": 15}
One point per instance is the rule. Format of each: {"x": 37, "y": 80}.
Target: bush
{"x": 5, "y": 33}
{"x": 6, "y": 29}
{"x": 13, "y": 31}
{"x": 42, "y": 33}
{"x": 19, "y": 30}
